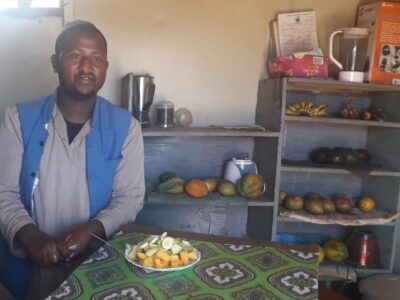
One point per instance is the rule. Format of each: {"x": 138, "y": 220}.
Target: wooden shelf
{"x": 317, "y": 86}
{"x": 338, "y": 121}
{"x": 286, "y": 167}
{"x": 213, "y": 199}
{"x": 205, "y": 131}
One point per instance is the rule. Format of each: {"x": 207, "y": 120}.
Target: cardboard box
{"x": 298, "y": 65}
{"x": 383, "y": 55}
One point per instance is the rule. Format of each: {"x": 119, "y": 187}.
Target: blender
{"x": 352, "y": 52}
{"x": 137, "y": 96}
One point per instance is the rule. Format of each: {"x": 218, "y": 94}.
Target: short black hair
{"x": 70, "y": 28}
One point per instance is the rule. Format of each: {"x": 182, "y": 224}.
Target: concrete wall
{"x": 26, "y": 47}
{"x": 206, "y": 55}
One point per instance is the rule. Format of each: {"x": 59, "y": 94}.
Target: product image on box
{"x": 382, "y": 18}
{"x": 390, "y": 58}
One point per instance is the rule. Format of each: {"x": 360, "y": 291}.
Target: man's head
{"x": 80, "y": 60}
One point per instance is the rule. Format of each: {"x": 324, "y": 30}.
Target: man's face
{"x": 82, "y": 65}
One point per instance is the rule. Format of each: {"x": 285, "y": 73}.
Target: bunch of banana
{"x": 349, "y": 112}
{"x": 306, "y": 108}
{"x": 319, "y": 111}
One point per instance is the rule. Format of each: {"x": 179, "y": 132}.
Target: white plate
{"x": 149, "y": 269}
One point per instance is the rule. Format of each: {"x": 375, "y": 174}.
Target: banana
{"x": 306, "y": 108}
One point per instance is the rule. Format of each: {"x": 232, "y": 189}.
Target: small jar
{"x": 165, "y": 114}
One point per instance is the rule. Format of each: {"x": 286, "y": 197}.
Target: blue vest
{"x": 110, "y": 125}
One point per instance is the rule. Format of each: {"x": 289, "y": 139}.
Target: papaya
{"x": 252, "y": 182}
{"x": 196, "y": 188}
{"x": 335, "y": 250}
{"x": 167, "y": 175}
{"x": 250, "y": 186}
{"x": 173, "y": 185}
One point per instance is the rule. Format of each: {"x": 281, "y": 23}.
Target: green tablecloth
{"x": 225, "y": 271}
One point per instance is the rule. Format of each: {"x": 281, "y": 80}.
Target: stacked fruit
{"x": 348, "y": 111}
{"x": 249, "y": 186}
{"x": 306, "y": 108}
{"x": 340, "y": 156}
{"x": 371, "y": 113}
{"x": 317, "y": 204}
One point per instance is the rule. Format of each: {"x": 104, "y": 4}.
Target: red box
{"x": 298, "y": 65}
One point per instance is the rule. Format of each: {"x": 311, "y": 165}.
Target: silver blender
{"x": 137, "y": 96}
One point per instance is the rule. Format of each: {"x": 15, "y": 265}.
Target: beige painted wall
{"x": 26, "y": 47}
{"x": 207, "y": 55}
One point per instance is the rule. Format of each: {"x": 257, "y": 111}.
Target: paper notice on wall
{"x": 297, "y": 32}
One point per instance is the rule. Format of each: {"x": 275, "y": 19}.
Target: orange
{"x": 366, "y": 204}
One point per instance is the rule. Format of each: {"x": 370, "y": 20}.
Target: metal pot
{"x": 363, "y": 248}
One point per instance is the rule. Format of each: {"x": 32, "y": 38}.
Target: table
{"x": 229, "y": 268}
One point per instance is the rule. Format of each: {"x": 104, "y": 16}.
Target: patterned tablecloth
{"x": 225, "y": 271}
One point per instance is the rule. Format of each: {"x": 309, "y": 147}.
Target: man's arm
{"x": 127, "y": 196}
{"x": 16, "y": 225}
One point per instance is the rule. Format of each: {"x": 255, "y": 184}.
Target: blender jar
{"x": 353, "y": 45}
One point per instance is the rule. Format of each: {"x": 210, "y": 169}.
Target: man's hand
{"x": 78, "y": 240}
{"x": 41, "y": 248}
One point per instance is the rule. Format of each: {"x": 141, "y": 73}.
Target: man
{"x": 72, "y": 163}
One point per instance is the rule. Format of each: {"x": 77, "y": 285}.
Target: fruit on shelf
{"x": 366, "y": 115}
{"x": 335, "y": 250}
{"x": 226, "y": 188}
{"x": 313, "y": 195}
{"x": 294, "y": 202}
{"x": 196, "y": 188}
{"x": 337, "y": 157}
{"x": 306, "y": 108}
{"x": 167, "y": 175}
{"x": 350, "y": 157}
{"x": 349, "y": 112}
{"x": 321, "y": 254}
{"x": 282, "y": 196}
{"x": 376, "y": 114}
{"x": 211, "y": 184}
{"x": 321, "y": 155}
{"x": 340, "y": 156}
{"x": 363, "y": 156}
{"x": 366, "y": 204}
{"x": 314, "y": 206}
{"x": 343, "y": 203}
{"x": 251, "y": 186}
{"x": 328, "y": 206}
{"x": 174, "y": 185}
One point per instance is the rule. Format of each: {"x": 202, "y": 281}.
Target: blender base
{"x": 352, "y": 76}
